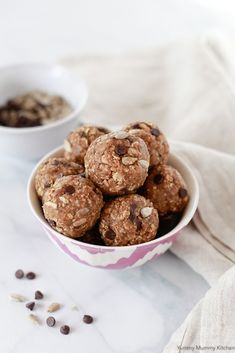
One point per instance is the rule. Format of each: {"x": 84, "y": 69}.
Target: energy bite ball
{"x": 117, "y": 163}
{"x": 167, "y": 190}
{"x": 128, "y": 220}
{"x": 78, "y": 141}
{"x": 155, "y": 140}
{"x": 52, "y": 169}
{"x": 72, "y": 205}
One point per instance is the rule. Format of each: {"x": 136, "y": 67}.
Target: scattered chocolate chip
{"x": 69, "y": 189}
{"x": 30, "y": 305}
{"x": 87, "y": 319}
{"x": 110, "y": 234}
{"x": 182, "y": 193}
{"x": 158, "y": 179}
{"x": 38, "y": 295}
{"x": 47, "y": 185}
{"x": 30, "y": 275}
{"x": 120, "y": 150}
{"x": 19, "y": 274}
{"x": 65, "y": 329}
{"x": 155, "y": 132}
{"x": 52, "y": 223}
{"x": 135, "y": 126}
{"x": 51, "y": 321}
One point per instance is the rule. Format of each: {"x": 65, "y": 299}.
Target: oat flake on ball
{"x": 78, "y": 141}
{"x": 117, "y": 163}
{"x": 167, "y": 190}
{"x": 72, "y": 205}
{"x": 54, "y": 168}
{"x": 128, "y": 220}
{"x": 155, "y": 140}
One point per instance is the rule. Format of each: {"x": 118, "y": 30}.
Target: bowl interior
{"x": 174, "y": 161}
{"x": 20, "y": 79}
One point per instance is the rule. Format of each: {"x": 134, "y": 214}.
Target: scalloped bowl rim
{"x": 185, "y": 219}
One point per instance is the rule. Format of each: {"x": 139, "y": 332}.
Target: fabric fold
{"x": 188, "y": 89}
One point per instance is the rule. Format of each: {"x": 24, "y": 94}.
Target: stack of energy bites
{"x": 112, "y": 188}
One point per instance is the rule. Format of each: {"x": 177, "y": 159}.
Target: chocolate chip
{"x": 88, "y": 319}
{"x": 47, "y": 185}
{"x": 51, "y": 322}
{"x": 120, "y": 150}
{"x": 51, "y": 222}
{"x": 158, "y": 179}
{"x": 19, "y": 274}
{"x": 135, "y": 126}
{"x": 182, "y": 193}
{"x": 138, "y": 224}
{"x": 30, "y": 305}
{"x": 38, "y": 295}
{"x": 132, "y": 215}
{"x": 69, "y": 189}
{"x": 65, "y": 329}
{"x": 110, "y": 234}
{"x": 102, "y": 129}
{"x": 55, "y": 162}
{"x": 30, "y": 275}
{"x": 155, "y": 132}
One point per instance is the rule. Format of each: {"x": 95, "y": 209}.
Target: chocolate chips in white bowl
{"x": 33, "y": 109}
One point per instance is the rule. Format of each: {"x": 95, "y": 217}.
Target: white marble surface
{"x": 135, "y": 310}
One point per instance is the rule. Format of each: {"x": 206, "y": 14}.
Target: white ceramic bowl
{"x": 114, "y": 257}
{"x": 34, "y": 142}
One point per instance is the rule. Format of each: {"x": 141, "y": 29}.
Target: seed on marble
{"x": 53, "y": 307}
{"x": 50, "y": 321}
{"x": 30, "y": 305}
{"x": 17, "y": 297}
{"x": 74, "y": 307}
{"x": 65, "y": 329}
{"x": 19, "y": 274}
{"x": 30, "y": 275}
{"x": 88, "y": 319}
{"x": 38, "y": 295}
{"x": 35, "y": 320}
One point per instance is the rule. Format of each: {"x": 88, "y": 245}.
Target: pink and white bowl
{"x": 114, "y": 257}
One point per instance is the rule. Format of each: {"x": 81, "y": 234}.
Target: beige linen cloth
{"x": 188, "y": 88}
